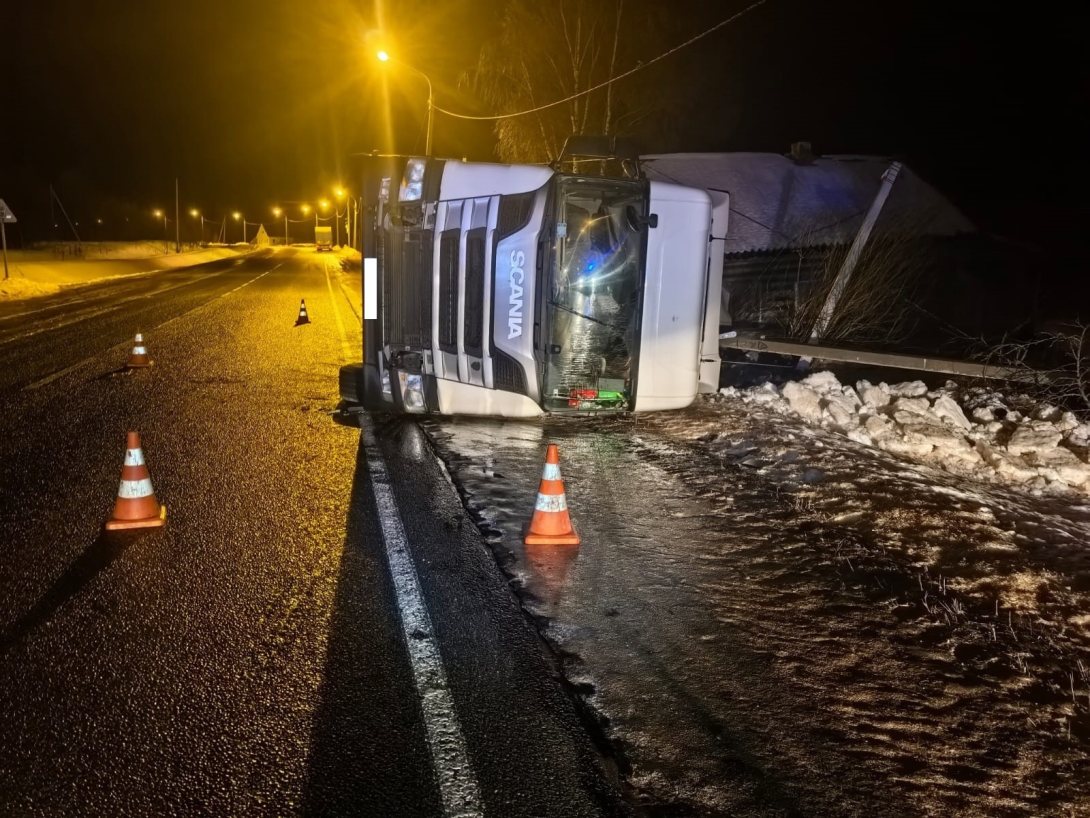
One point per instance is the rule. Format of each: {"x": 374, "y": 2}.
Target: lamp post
{"x": 306, "y": 212}
{"x": 160, "y": 214}
{"x": 277, "y": 213}
{"x": 338, "y": 192}
{"x": 384, "y": 56}
{"x": 196, "y": 214}
{"x": 238, "y": 217}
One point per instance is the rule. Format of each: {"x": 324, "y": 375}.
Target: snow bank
{"x": 35, "y": 274}
{"x": 976, "y": 431}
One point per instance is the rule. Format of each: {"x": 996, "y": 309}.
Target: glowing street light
{"x": 277, "y": 211}
{"x": 237, "y": 216}
{"x": 384, "y": 56}
{"x": 196, "y": 214}
{"x": 338, "y": 191}
{"x": 159, "y": 214}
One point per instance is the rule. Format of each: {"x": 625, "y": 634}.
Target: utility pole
{"x": 177, "y": 221}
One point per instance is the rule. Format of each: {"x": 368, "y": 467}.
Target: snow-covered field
{"x": 769, "y": 615}
{"x": 35, "y": 273}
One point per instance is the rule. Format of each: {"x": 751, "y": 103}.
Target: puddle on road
{"x": 772, "y": 625}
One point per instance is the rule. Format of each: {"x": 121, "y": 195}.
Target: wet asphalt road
{"x": 248, "y": 659}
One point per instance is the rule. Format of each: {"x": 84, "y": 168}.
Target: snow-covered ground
{"x": 41, "y": 272}
{"x": 771, "y": 617}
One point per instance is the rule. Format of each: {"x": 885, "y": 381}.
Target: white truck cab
{"x": 515, "y": 290}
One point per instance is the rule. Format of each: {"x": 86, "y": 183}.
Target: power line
{"x": 611, "y": 80}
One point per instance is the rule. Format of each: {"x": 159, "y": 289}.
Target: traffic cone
{"x": 551, "y": 524}
{"x": 138, "y": 358}
{"x": 302, "y": 319}
{"x": 136, "y": 506}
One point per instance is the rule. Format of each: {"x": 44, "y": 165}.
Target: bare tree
{"x": 1054, "y": 366}
{"x": 877, "y": 305}
{"x": 548, "y": 51}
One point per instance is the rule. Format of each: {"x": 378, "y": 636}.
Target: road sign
{"x": 6, "y": 217}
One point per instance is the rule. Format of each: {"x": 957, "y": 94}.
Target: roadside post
{"x": 6, "y": 218}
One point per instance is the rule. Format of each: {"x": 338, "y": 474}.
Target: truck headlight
{"x": 412, "y": 184}
{"x": 412, "y": 391}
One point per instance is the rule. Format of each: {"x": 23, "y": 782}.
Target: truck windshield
{"x": 594, "y": 295}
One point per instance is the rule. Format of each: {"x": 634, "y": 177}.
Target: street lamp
{"x": 159, "y": 214}
{"x": 276, "y": 212}
{"x": 196, "y": 214}
{"x": 338, "y": 192}
{"x": 384, "y": 56}
{"x": 239, "y": 217}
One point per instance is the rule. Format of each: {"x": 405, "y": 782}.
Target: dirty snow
{"x": 974, "y": 431}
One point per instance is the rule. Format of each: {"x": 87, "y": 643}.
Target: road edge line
{"x": 458, "y": 787}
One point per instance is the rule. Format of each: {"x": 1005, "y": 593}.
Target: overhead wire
{"x": 611, "y": 80}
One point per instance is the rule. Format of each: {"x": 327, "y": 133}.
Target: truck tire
{"x": 351, "y": 384}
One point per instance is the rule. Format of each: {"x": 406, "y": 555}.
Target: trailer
{"x": 516, "y": 290}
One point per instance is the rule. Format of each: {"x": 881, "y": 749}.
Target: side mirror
{"x": 637, "y": 221}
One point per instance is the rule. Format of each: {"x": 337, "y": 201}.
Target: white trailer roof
{"x": 776, "y": 203}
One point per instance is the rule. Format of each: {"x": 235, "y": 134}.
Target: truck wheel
{"x": 351, "y": 384}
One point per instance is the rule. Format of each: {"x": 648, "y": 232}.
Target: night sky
{"x": 253, "y": 104}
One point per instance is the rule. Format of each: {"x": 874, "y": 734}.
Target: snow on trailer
{"x": 519, "y": 290}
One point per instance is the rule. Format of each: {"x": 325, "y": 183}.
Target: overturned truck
{"x": 516, "y": 290}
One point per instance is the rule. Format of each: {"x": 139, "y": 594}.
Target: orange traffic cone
{"x": 302, "y": 319}
{"x": 551, "y": 524}
{"x": 139, "y": 356}
{"x": 136, "y": 506}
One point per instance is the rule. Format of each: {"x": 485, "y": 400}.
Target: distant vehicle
{"x": 516, "y": 290}
{"x": 323, "y": 237}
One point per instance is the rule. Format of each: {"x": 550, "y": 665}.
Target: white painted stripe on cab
{"x": 135, "y": 489}
{"x": 134, "y": 457}
{"x": 457, "y": 780}
{"x": 550, "y": 472}
{"x": 551, "y": 502}
{"x": 370, "y": 288}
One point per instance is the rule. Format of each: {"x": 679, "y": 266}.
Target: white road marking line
{"x": 348, "y": 294}
{"x": 346, "y": 348}
{"x": 114, "y": 306}
{"x": 458, "y": 786}
{"x": 48, "y": 379}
